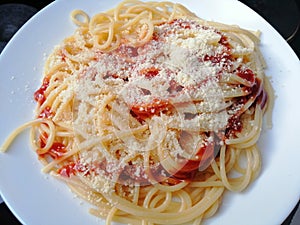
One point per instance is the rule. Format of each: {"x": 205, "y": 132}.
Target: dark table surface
{"x": 283, "y": 19}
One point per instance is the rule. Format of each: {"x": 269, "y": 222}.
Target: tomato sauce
{"x": 67, "y": 170}
{"x": 39, "y": 95}
{"x": 149, "y": 72}
{"x": 143, "y": 111}
{"x": 46, "y": 113}
{"x": 247, "y": 74}
{"x": 56, "y": 151}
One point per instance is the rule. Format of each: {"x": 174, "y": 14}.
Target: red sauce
{"x": 234, "y": 125}
{"x": 46, "y": 113}
{"x": 72, "y": 168}
{"x": 155, "y": 37}
{"x": 253, "y": 92}
{"x": 181, "y": 23}
{"x": 149, "y": 72}
{"x": 67, "y": 170}
{"x": 173, "y": 181}
{"x": 257, "y": 94}
{"x": 111, "y": 75}
{"x": 63, "y": 56}
{"x": 224, "y": 41}
{"x": 56, "y": 151}
{"x": 146, "y": 110}
{"x": 43, "y": 139}
{"x": 247, "y": 74}
{"x": 204, "y": 155}
{"x": 180, "y": 177}
{"x": 186, "y": 169}
{"x": 39, "y": 95}
{"x": 224, "y": 57}
{"x": 256, "y": 89}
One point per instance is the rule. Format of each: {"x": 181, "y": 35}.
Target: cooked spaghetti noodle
{"x": 150, "y": 113}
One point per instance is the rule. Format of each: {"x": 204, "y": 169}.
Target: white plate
{"x": 39, "y": 199}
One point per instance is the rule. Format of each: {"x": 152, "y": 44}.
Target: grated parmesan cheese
{"x": 181, "y": 70}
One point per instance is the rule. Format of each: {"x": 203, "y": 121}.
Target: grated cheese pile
{"x": 137, "y": 98}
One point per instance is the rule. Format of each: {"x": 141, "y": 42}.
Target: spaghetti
{"x": 150, "y": 113}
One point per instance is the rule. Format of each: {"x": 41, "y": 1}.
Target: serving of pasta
{"x": 151, "y": 113}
